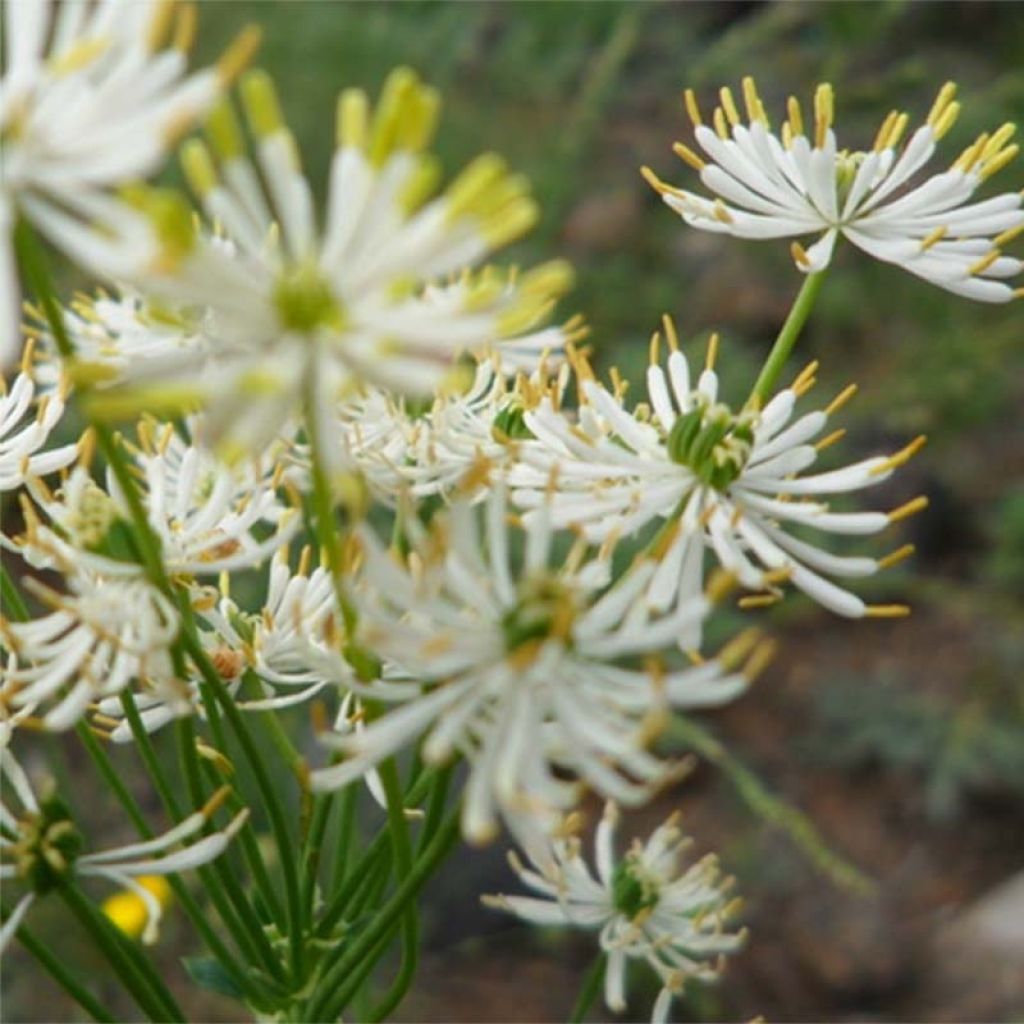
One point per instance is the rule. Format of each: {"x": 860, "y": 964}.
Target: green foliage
{"x": 955, "y": 749}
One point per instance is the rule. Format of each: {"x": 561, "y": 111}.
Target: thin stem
{"x": 784, "y": 343}
{"x": 383, "y": 922}
{"x": 143, "y": 985}
{"x": 797, "y": 826}
{"x": 589, "y": 989}
{"x": 13, "y": 603}
{"x": 60, "y": 974}
{"x": 345, "y": 836}
{"x": 195, "y": 914}
{"x": 402, "y": 846}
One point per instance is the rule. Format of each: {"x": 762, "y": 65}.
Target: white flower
{"x": 403, "y": 454}
{"x": 27, "y": 417}
{"x": 92, "y": 96}
{"x": 734, "y": 482}
{"x": 645, "y": 906}
{"x": 208, "y": 516}
{"x": 520, "y": 673}
{"x": 288, "y": 305}
{"x": 99, "y": 638}
{"x": 42, "y": 848}
{"x": 771, "y": 187}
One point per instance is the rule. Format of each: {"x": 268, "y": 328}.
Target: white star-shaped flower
{"x": 800, "y": 183}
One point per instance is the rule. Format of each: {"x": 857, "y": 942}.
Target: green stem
{"x": 144, "y": 986}
{"x": 402, "y": 845}
{"x": 797, "y": 826}
{"x": 195, "y": 914}
{"x": 784, "y": 343}
{"x": 383, "y": 922}
{"x": 345, "y": 837}
{"x": 60, "y": 974}
{"x": 588, "y": 991}
{"x": 13, "y": 604}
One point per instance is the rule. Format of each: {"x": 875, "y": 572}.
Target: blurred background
{"x": 903, "y": 742}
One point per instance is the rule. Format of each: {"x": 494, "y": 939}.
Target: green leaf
{"x": 208, "y": 974}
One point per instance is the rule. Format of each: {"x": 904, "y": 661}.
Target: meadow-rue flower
{"x": 798, "y": 183}
{"x": 520, "y": 671}
{"x": 42, "y": 848}
{"x": 98, "y": 638}
{"x": 646, "y": 905}
{"x": 28, "y": 415}
{"x": 288, "y": 305}
{"x": 730, "y": 480}
{"x": 92, "y": 96}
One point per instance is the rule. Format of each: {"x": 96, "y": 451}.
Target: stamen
{"x": 1008, "y": 236}
{"x": 709, "y": 363}
{"x": 720, "y": 126}
{"x": 997, "y": 163}
{"x": 160, "y": 25}
{"x": 942, "y": 101}
{"x": 729, "y": 105}
{"x": 986, "y": 261}
{"x": 759, "y": 601}
{"x": 881, "y": 139}
{"x": 824, "y": 110}
{"x": 239, "y": 54}
{"x": 826, "y": 442}
{"x": 886, "y": 611}
{"x": 947, "y": 120}
{"x": 901, "y": 457}
{"x": 799, "y": 254}
{"x": 804, "y": 377}
{"x": 722, "y": 213}
{"x": 688, "y": 156}
{"x": 690, "y": 102}
{"x": 762, "y": 657}
{"x": 796, "y": 117}
{"x": 657, "y": 184}
{"x": 737, "y": 649}
{"x": 897, "y": 556}
{"x": 755, "y": 108}
{"x": 185, "y": 28}
{"x": 670, "y": 332}
{"x": 933, "y": 237}
{"x": 841, "y": 399}
{"x": 910, "y": 508}
{"x": 653, "y": 351}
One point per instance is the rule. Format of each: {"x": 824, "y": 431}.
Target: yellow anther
{"x": 824, "y": 110}
{"x": 760, "y": 659}
{"x": 262, "y": 108}
{"x": 999, "y": 139}
{"x": 200, "y": 172}
{"x": 224, "y": 132}
{"x": 418, "y": 119}
{"x": 737, "y": 649}
{"x": 882, "y": 138}
{"x": 937, "y": 235}
{"x": 758, "y": 601}
{"x": 908, "y": 509}
{"x": 898, "y": 128}
{"x": 897, "y": 556}
{"x": 210, "y": 808}
{"x": 657, "y": 184}
{"x": 1008, "y": 236}
{"x": 886, "y": 611}
{"x": 421, "y": 184}
{"x": 237, "y": 57}
{"x": 670, "y": 332}
{"x": 942, "y": 101}
{"x": 841, "y": 399}
{"x": 709, "y": 363}
{"x": 688, "y": 156}
{"x": 805, "y": 377}
{"x": 948, "y": 119}
{"x": 513, "y": 221}
{"x": 352, "y": 119}
{"x": 473, "y": 183}
{"x": 755, "y": 108}
{"x": 901, "y": 457}
{"x": 986, "y": 261}
{"x": 690, "y": 102}
{"x": 399, "y": 89}
{"x": 729, "y": 105}
{"x": 967, "y": 159}
{"x": 185, "y": 28}
{"x": 787, "y": 135}
{"x": 160, "y": 25}
{"x": 997, "y": 163}
{"x": 827, "y": 442}
{"x": 721, "y": 212}
{"x": 721, "y": 129}
{"x": 79, "y": 55}
{"x": 720, "y": 584}
{"x": 653, "y": 350}
{"x": 799, "y": 254}
{"x": 796, "y": 117}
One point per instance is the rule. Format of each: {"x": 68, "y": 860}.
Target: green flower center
{"x": 546, "y": 608}
{"x": 510, "y": 423}
{"x": 713, "y": 442}
{"x": 633, "y": 890}
{"x": 46, "y": 846}
{"x": 304, "y": 300}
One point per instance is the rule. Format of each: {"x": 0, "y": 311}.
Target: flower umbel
{"x": 770, "y": 186}
{"x": 644, "y": 905}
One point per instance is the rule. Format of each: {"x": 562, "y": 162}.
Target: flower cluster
{"x": 303, "y": 386}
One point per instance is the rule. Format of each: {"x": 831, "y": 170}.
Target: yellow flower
{"x": 127, "y": 910}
